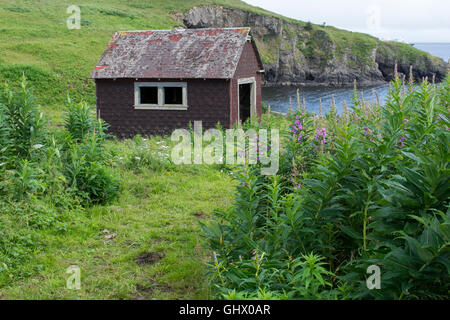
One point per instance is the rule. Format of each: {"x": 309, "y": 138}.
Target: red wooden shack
{"x": 152, "y": 82}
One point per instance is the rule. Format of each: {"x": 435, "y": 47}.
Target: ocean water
{"x": 441, "y": 50}
{"x": 280, "y": 98}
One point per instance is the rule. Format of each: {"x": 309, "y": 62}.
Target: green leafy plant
{"x": 367, "y": 187}
{"x": 78, "y": 119}
{"x": 25, "y": 124}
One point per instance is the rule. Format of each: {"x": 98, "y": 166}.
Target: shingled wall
{"x": 208, "y": 101}
{"x": 247, "y": 67}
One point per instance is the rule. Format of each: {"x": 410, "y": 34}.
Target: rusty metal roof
{"x": 211, "y": 53}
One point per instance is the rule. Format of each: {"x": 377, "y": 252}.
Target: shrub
{"x": 78, "y": 119}
{"x": 308, "y": 26}
{"x": 44, "y": 178}
{"x": 369, "y": 187}
{"x": 47, "y": 164}
{"x": 25, "y": 180}
{"x": 25, "y": 124}
{"x": 87, "y": 172}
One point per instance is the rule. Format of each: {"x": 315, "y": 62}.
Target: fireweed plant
{"x": 47, "y": 177}
{"x": 367, "y": 187}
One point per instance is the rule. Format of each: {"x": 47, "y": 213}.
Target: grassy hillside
{"x": 34, "y": 39}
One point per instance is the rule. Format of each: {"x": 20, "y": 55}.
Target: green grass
{"x": 405, "y": 52}
{"x": 34, "y": 39}
{"x": 156, "y": 212}
{"x": 357, "y": 44}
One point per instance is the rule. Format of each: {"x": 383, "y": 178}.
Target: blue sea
{"x": 441, "y": 50}
{"x": 279, "y": 97}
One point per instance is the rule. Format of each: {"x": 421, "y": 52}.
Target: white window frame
{"x": 251, "y": 81}
{"x": 161, "y": 103}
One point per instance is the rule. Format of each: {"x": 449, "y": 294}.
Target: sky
{"x": 402, "y": 20}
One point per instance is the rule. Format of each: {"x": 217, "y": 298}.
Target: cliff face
{"x": 294, "y": 52}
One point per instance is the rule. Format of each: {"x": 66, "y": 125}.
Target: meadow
{"x": 369, "y": 186}
{"x": 119, "y": 210}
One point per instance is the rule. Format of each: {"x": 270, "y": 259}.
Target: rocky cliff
{"x": 296, "y": 52}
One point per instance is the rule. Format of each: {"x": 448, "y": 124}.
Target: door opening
{"x": 245, "y": 101}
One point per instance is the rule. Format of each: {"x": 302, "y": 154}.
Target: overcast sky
{"x": 405, "y": 20}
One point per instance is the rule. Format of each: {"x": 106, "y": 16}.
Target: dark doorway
{"x": 244, "y": 101}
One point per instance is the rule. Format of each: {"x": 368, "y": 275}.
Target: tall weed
{"x": 368, "y": 187}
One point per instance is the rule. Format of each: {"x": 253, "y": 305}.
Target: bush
{"x": 369, "y": 187}
{"x": 86, "y": 172}
{"x": 38, "y": 162}
{"x": 25, "y": 125}
{"x": 78, "y": 120}
{"x": 308, "y": 26}
{"x": 46, "y": 178}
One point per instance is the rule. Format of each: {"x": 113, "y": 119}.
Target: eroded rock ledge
{"x": 301, "y": 53}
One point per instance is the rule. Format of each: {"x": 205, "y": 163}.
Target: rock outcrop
{"x": 294, "y": 52}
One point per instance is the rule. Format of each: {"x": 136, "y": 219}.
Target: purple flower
{"x": 321, "y": 135}
{"x": 297, "y": 129}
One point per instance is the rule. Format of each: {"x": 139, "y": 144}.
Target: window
{"x": 149, "y": 95}
{"x": 173, "y": 95}
{"x": 160, "y": 95}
